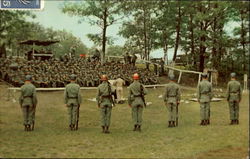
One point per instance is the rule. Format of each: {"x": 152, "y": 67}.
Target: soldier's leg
{"x": 32, "y": 120}
{"x": 202, "y": 112}
{"x": 25, "y": 116}
{"x": 169, "y": 107}
{"x": 139, "y": 117}
{"x": 108, "y": 118}
{"x": 74, "y": 114}
{"x": 231, "y": 112}
{"x": 102, "y": 112}
{"x": 174, "y": 113}
{"x": 134, "y": 115}
{"x": 108, "y": 115}
{"x": 30, "y": 115}
{"x": 70, "y": 108}
{"x": 236, "y": 112}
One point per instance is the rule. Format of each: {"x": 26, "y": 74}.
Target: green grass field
{"x": 52, "y": 139}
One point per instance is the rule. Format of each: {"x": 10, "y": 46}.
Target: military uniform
{"x": 234, "y": 94}
{"x": 72, "y": 98}
{"x": 136, "y": 93}
{"x": 204, "y": 96}
{"x": 28, "y": 102}
{"x": 104, "y": 101}
{"x": 171, "y": 98}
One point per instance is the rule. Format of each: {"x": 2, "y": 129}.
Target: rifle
{"x": 177, "y": 114}
{"x": 110, "y": 94}
{"x": 142, "y": 96}
{"x": 77, "y": 118}
{"x": 33, "y": 122}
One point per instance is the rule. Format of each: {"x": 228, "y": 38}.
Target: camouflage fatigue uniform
{"x": 72, "y": 98}
{"x": 171, "y": 98}
{"x": 204, "y": 96}
{"x": 28, "y": 102}
{"x": 234, "y": 94}
{"x": 135, "y": 92}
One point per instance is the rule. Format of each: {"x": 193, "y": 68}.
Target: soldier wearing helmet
{"x": 234, "y": 95}
{"x": 105, "y": 101}
{"x": 136, "y": 101}
{"x": 171, "y": 98}
{"x": 72, "y": 100}
{"x": 28, "y": 102}
{"x": 204, "y": 97}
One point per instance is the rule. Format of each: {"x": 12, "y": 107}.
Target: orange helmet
{"x": 135, "y": 76}
{"x": 104, "y": 78}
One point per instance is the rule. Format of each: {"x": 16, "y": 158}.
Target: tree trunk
{"x": 192, "y": 40}
{"x": 104, "y": 39}
{"x": 243, "y": 40}
{"x": 178, "y": 27}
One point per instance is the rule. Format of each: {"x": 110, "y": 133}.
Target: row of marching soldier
{"x": 136, "y": 101}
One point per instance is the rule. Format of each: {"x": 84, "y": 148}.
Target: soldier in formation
{"x": 172, "y": 98}
{"x": 105, "y": 102}
{"x": 72, "y": 100}
{"x": 136, "y": 101}
{"x": 234, "y": 94}
{"x": 28, "y": 102}
{"x": 204, "y": 96}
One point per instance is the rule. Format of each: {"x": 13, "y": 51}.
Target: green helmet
{"x": 233, "y": 74}
{"x": 72, "y": 77}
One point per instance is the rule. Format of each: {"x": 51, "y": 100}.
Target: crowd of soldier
{"x": 54, "y": 73}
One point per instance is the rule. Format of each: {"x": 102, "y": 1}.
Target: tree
{"x": 102, "y": 13}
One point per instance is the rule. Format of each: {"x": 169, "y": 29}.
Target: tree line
{"x": 198, "y": 28}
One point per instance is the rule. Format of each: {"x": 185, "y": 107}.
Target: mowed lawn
{"x": 52, "y": 139}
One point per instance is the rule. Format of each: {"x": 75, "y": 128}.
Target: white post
{"x": 179, "y": 79}
{"x": 199, "y": 78}
{"x": 245, "y": 83}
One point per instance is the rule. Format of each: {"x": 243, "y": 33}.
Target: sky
{"x": 51, "y": 16}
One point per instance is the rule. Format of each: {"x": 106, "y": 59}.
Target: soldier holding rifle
{"x": 136, "y": 101}
{"x": 28, "y": 102}
{"x": 172, "y": 98}
{"x": 72, "y": 100}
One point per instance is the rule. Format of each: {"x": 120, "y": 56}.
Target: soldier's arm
{"x": 165, "y": 95}
{"x": 240, "y": 93}
{"x": 211, "y": 91}
{"x": 178, "y": 94}
{"x": 145, "y": 90}
{"x": 79, "y": 96}
{"x": 98, "y": 96}
{"x": 65, "y": 96}
{"x": 227, "y": 93}
{"x": 129, "y": 96}
{"x": 198, "y": 93}
{"x": 34, "y": 98}
{"x": 21, "y": 98}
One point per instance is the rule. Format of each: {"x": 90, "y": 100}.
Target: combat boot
{"x": 232, "y": 122}
{"x": 173, "y": 124}
{"x": 237, "y": 121}
{"x": 103, "y": 129}
{"x": 135, "y": 128}
{"x": 205, "y": 122}
{"x": 208, "y": 122}
{"x": 107, "y": 130}
{"x": 169, "y": 124}
{"x": 139, "y": 128}
{"x": 25, "y": 128}
{"x": 202, "y": 122}
{"x": 28, "y": 127}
